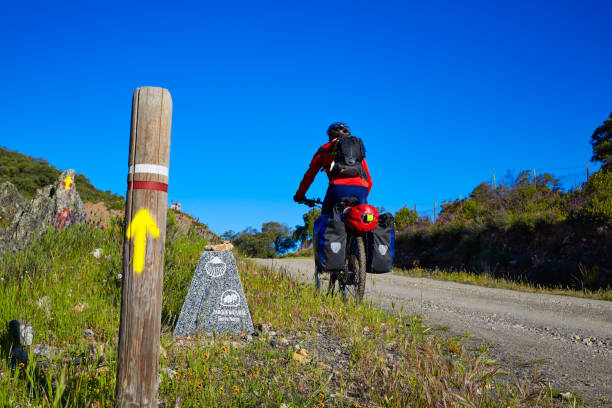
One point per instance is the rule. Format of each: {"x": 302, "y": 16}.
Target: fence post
{"x": 494, "y": 182}
{"x": 143, "y": 248}
{"x": 534, "y": 178}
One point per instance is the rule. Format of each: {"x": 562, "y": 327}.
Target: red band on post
{"x": 148, "y": 185}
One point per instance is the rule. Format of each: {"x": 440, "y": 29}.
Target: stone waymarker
{"x": 215, "y": 302}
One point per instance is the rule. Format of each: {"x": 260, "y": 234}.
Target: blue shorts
{"x": 336, "y": 192}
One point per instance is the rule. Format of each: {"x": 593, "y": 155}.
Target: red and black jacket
{"x": 323, "y": 159}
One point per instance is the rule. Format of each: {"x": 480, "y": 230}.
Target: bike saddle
{"x": 350, "y": 201}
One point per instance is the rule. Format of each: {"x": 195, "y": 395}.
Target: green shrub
{"x": 599, "y": 193}
{"x": 405, "y": 217}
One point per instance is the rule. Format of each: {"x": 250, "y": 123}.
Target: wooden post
{"x": 587, "y": 172}
{"x": 434, "y": 211}
{"x": 143, "y": 248}
{"x": 534, "y": 178}
{"x": 415, "y": 208}
{"x": 494, "y": 182}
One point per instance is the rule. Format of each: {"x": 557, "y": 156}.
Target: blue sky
{"x": 444, "y": 94}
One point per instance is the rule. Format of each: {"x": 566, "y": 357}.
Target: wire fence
{"x": 570, "y": 178}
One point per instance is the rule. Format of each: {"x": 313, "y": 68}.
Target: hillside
{"x": 525, "y": 231}
{"x": 29, "y": 174}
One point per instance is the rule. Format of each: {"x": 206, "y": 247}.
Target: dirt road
{"x": 568, "y": 339}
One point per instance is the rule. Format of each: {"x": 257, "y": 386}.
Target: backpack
{"x": 348, "y": 154}
{"x": 381, "y": 245}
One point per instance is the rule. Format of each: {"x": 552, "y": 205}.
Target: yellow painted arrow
{"x": 138, "y": 228}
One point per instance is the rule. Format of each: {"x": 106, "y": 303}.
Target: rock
{"x": 12, "y": 204}
{"x": 97, "y": 352}
{"x": 80, "y": 307}
{"x": 58, "y": 204}
{"x": 88, "y": 333}
{"x": 576, "y": 337}
{"x": 97, "y": 253}
{"x": 566, "y": 395}
{"x": 21, "y": 332}
{"x": 43, "y": 351}
{"x": 169, "y": 372}
{"x": 44, "y": 303}
{"x": 225, "y": 246}
{"x": 302, "y": 358}
{"x": 19, "y": 356}
{"x": 272, "y": 333}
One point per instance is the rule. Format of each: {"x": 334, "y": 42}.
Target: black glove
{"x": 299, "y": 199}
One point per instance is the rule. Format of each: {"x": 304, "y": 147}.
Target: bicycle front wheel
{"x": 356, "y": 263}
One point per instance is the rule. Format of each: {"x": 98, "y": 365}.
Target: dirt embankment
{"x": 97, "y": 213}
{"x": 570, "y": 253}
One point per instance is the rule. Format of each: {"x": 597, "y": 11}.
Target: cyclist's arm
{"x": 369, "y": 178}
{"x": 315, "y": 165}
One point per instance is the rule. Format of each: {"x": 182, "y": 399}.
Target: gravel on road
{"x": 567, "y": 341}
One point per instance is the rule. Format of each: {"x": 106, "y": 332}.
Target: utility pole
{"x": 143, "y": 249}
{"x": 587, "y": 172}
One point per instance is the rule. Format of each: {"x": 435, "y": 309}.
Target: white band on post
{"x": 149, "y": 168}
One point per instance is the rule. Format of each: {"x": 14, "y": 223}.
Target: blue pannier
{"x": 329, "y": 238}
{"x": 381, "y": 245}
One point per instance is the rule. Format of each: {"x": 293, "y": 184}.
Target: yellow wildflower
{"x": 236, "y": 389}
{"x": 221, "y": 389}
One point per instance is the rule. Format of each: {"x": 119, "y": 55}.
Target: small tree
{"x": 405, "y": 217}
{"x": 304, "y": 233}
{"x": 602, "y": 144}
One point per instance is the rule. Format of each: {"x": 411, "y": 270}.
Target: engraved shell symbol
{"x": 215, "y": 267}
{"x": 335, "y": 247}
{"x": 382, "y": 249}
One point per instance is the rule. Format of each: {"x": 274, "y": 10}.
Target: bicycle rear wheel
{"x": 356, "y": 264}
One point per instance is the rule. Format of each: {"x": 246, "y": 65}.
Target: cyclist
{"x": 339, "y": 187}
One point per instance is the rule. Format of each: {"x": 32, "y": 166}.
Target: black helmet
{"x": 338, "y": 127}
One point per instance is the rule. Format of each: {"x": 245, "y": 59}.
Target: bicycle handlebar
{"x": 312, "y": 202}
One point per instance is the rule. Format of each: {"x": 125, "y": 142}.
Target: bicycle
{"x": 350, "y": 280}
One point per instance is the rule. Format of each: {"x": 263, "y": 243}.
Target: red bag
{"x": 362, "y": 218}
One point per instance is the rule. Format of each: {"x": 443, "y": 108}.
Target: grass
{"x": 310, "y": 350}
{"x": 485, "y": 279}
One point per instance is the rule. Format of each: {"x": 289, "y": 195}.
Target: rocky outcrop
{"x": 58, "y": 204}
{"x": 12, "y": 204}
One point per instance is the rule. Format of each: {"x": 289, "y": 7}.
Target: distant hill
{"x": 29, "y": 174}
